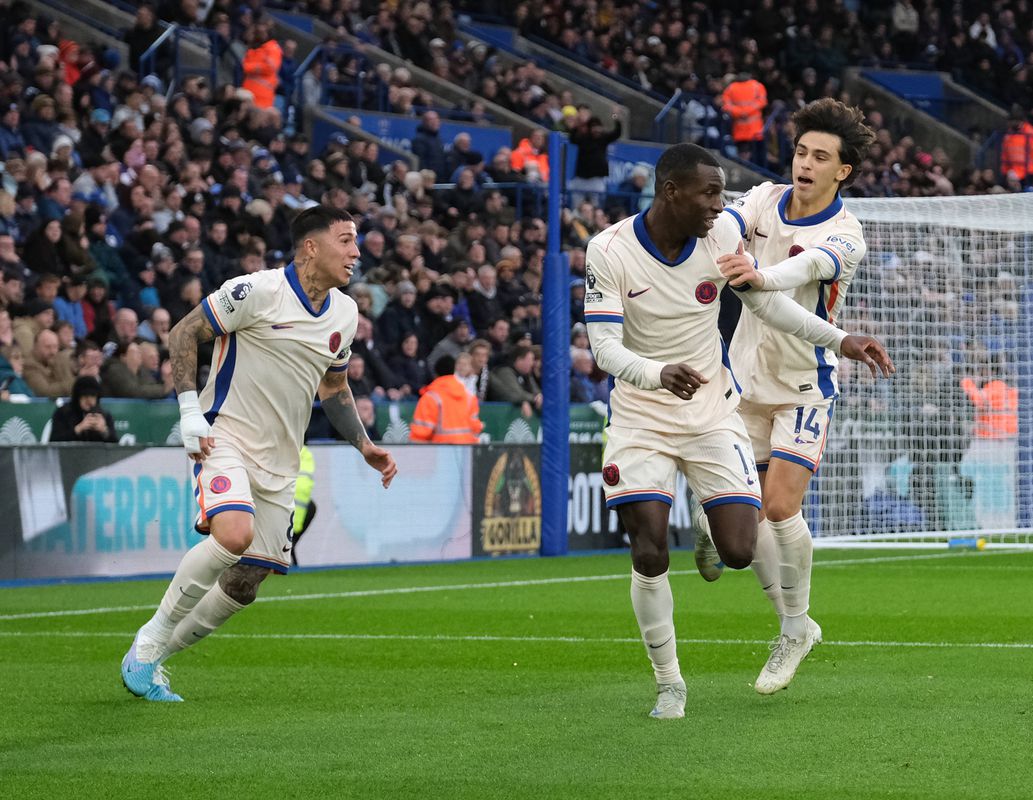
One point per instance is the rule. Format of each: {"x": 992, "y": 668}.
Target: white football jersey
{"x": 669, "y": 314}
{"x": 272, "y": 352}
{"x": 775, "y": 367}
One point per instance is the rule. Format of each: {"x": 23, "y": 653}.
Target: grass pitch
{"x": 526, "y": 678}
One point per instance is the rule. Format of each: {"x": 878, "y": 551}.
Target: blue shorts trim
{"x": 218, "y": 510}
{"x": 255, "y": 561}
{"x": 803, "y": 462}
{"x": 745, "y": 499}
{"x": 638, "y": 497}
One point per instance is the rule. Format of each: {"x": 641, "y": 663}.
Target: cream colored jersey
{"x": 669, "y": 315}
{"x": 774, "y": 367}
{"x": 273, "y": 350}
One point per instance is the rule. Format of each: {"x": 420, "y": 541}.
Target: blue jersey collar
{"x": 643, "y": 239}
{"x": 292, "y": 278}
{"x": 828, "y": 213}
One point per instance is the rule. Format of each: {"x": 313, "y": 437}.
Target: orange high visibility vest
{"x": 446, "y": 414}
{"x": 1017, "y": 152}
{"x": 997, "y": 408}
{"x": 261, "y": 72}
{"x": 745, "y": 102}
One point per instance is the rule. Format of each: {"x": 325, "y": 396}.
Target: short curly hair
{"x": 831, "y": 116}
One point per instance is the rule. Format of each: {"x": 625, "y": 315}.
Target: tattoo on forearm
{"x": 190, "y": 331}
{"x": 241, "y": 582}
{"x": 340, "y": 410}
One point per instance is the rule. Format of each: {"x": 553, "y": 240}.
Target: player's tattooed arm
{"x": 184, "y": 338}
{"x": 339, "y": 407}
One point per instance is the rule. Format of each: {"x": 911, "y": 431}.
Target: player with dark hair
{"x": 652, "y": 319}
{"x": 284, "y": 336}
{"x": 811, "y": 247}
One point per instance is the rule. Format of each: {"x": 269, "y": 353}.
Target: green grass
{"x": 526, "y": 714}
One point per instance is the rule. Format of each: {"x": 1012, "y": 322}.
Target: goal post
{"x": 942, "y": 452}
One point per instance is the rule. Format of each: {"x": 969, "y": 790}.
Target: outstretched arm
{"x": 184, "y": 338}
{"x": 811, "y": 265}
{"x": 339, "y": 407}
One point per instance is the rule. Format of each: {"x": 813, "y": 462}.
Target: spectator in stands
{"x": 82, "y": 419}
{"x": 12, "y": 291}
{"x": 428, "y": 146}
{"x": 141, "y": 36}
{"x": 592, "y": 166}
{"x": 41, "y": 128}
{"x": 46, "y": 372}
{"x": 400, "y": 318}
{"x": 480, "y": 374}
{"x": 515, "y": 383}
{"x": 583, "y": 389}
{"x": 454, "y": 342}
{"x": 631, "y": 189}
{"x": 35, "y": 316}
{"x": 12, "y": 380}
{"x": 40, "y": 252}
{"x": 121, "y": 375}
{"x": 12, "y": 143}
{"x": 156, "y": 328}
{"x": 361, "y": 384}
{"x": 410, "y": 368}
{"x": 484, "y": 303}
{"x": 69, "y": 306}
{"x": 125, "y": 328}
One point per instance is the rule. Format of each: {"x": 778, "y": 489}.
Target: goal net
{"x": 943, "y": 452}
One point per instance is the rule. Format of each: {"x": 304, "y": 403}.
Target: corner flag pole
{"x": 555, "y": 460}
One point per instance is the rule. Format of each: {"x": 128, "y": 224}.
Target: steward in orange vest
{"x": 446, "y": 412}
{"x": 997, "y": 408}
{"x": 744, "y": 100}
{"x": 262, "y": 67}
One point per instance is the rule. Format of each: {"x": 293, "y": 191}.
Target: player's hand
{"x": 194, "y": 428}
{"x": 868, "y": 350}
{"x": 681, "y": 380}
{"x": 740, "y": 268}
{"x": 381, "y": 461}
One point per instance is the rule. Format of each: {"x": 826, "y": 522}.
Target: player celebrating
{"x": 652, "y": 307}
{"x": 813, "y": 245}
{"x": 285, "y": 335}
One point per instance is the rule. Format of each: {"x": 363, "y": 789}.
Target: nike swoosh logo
{"x": 191, "y": 596}
{"x": 286, "y": 548}
{"x": 658, "y": 646}
{"x": 636, "y": 294}
{"x": 761, "y": 235}
{"x": 281, "y": 327}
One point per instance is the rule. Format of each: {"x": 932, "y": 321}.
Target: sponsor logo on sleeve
{"x": 241, "y": 290}
{"x": 224, "y": 302}
{"x": 844, "y": 244}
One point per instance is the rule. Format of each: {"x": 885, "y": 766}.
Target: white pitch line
{"x": 399, "y": 590}
{"x": 405, "y": 637}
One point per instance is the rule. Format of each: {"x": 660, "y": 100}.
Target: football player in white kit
{"x": 284, "y": 336}
{"x": 807, "y": 246}
{"x": 652, "y": 306}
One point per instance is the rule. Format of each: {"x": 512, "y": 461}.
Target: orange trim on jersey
{"x": 607, "y": 248}
{"x": 200, "y": 494}
{"x": 211, "y": 307}
{"x": 639, "y": 491}
{"x": 222, "y": 351}
{"x": 833, "y": 296}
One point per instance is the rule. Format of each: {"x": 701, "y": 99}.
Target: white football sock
{"x": 214, "y": 609}
{"x": 654, "y": 609}
{"x": 765, "y": 566}
{"x": 795, "y": 549}
{"x": 197, "y": 573}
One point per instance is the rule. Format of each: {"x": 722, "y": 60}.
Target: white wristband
{"x": 188, "y": 401}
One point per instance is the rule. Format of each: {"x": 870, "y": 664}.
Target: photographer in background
{"x": 82, "y": 419}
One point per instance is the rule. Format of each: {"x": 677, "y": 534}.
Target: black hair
{"x": 317, "y": 218}
{"x": 679, "y": 162}
{"x": 446, "y": 365}
{"x": 831, "y": 116}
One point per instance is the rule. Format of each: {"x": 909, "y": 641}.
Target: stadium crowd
{"x": 120, "y": 210}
